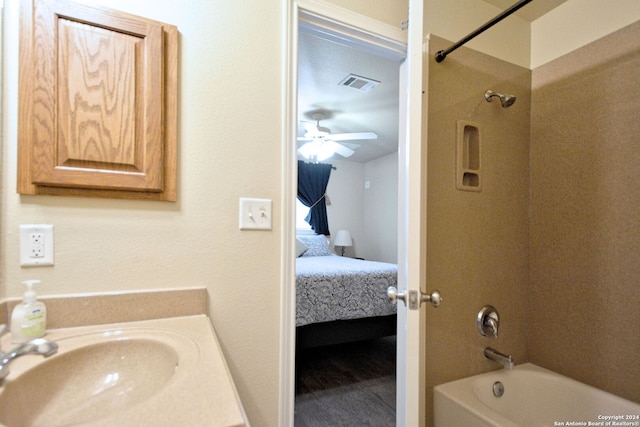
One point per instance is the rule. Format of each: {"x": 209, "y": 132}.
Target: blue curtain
{"x": 312, "y": 187}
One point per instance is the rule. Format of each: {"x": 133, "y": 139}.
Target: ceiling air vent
{"x": 363, "y": 84}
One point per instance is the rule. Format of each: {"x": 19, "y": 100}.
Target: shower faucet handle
{"x": 488, "y": 321}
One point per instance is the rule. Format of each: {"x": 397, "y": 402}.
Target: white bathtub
{"x": 533, "y": 397}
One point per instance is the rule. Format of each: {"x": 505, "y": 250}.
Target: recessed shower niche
{"x": 468, "y": 176}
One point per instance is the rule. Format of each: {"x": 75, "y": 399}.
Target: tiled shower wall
{"x": 553, "y": 237}
{"x": 584, "y": 297}
{"x": 477, "y": 241}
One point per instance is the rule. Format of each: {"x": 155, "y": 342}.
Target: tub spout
{"x": 505, "y": 360}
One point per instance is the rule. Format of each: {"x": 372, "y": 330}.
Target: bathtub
{"x": 532, "y": 397}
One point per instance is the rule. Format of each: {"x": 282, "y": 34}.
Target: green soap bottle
{"x": 29, "y": 318}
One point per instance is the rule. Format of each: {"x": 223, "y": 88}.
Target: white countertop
{"x": 201, "y": 393}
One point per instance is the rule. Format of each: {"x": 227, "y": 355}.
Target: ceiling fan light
{"x": 307, "y": 150}
{"x": 317, "y": 150}
{"x": 318, "y": 134}
{"x": 325, "y": 150}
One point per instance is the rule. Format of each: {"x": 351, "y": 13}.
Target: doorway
{"x": 372, "y": 42}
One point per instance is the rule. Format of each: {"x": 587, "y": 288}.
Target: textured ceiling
{"x": 322, "y": 65}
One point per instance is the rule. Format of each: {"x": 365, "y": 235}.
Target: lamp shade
{"x": 343, "y": 238}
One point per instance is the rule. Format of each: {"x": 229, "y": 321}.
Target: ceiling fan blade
{"x": 353, "y": 136}
{"x": 302, "y": 138}
{"x": 350, "y": 145}
{"x": 342, "y": 150}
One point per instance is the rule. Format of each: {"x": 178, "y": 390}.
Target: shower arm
{"x": 442, "y": 54}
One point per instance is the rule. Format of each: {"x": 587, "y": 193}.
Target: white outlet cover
{"x": 26, "y": 260}
{"x": 255, "y": 214}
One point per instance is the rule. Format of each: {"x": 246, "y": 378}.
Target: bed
{"x": 340, "y": 299}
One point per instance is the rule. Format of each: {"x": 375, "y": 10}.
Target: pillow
{"x": 317, "y": 245}
{"x": 301, "y": 248}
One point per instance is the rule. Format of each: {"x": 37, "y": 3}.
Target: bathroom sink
{"x": 168, "y": 371}
{"x": 92, "y": 377}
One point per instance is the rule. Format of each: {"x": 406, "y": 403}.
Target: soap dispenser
{"x": 29, "y": 318}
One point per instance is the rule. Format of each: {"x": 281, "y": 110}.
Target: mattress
{"x": 340, "y": 288}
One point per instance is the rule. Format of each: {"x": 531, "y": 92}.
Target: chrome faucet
{"x": 491, "y": 325}
{"x": 488, "y": 321}
{"x": 505, "y": 360}
{"x": 38, "y": 346}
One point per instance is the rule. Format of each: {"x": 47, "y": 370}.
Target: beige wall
{"x": 381, "y": 209}
{"x": 369, "y": 214}
{"x": 391, "y": 12}
{"x": 585, "y": 228}
{"x": 230, "y": 144}
{"x": 573, "y": 24}
{"x": 477, "y": 242}
{"x": 510, "y": 40}
{"x": 226, "y": 107}
{"x": 576, "y": 23}
{"x": 346, "y": 199}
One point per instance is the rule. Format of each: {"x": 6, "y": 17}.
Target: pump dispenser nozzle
{"x": 30, "y": 294}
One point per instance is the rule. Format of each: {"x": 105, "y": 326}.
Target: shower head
{"x": 505, "y": 99}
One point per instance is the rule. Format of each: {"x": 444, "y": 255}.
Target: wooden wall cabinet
{"x": 97, "y": 103}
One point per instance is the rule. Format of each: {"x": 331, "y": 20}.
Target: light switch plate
{"x": 255, "y": 214}
{"x": 36, "y": 245}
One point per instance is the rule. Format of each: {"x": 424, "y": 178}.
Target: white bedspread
{"x": 334, "y": 287}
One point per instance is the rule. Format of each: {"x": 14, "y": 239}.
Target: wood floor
{"x": 350, "y": 384}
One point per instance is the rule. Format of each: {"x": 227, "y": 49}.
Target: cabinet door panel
{"x": 96, "y": 87}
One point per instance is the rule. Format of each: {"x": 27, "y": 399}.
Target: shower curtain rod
{"x": 442, "y": 54}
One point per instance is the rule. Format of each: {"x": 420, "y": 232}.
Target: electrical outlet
{"x": 36, "y": 245}
{"x": 255, "y": 214}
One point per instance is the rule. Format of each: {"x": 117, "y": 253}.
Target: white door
{"x": 410, "y": 401}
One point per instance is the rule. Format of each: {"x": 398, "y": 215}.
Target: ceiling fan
{"x": 322, "y": 144}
